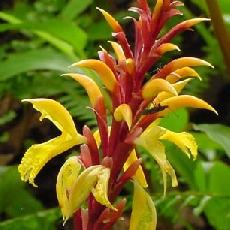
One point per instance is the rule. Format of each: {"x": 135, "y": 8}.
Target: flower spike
{"x": 108, "y": 159}
{"x": 103, "y": 71}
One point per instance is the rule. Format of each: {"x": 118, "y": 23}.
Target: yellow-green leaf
{"x": 144, "y": 215}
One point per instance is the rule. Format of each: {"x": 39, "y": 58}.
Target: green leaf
{"x": 15, "y": 200}
{"x": 219, "y": 182}
{"x": 144, "y": 216}
{"x": 74, "y": 8}
{"x": 205, "y": 143}
{"x": 218, "y": 133}
{"x": 207, "y": 176}
{"x": 175, "y": 121}
{"x": 44, "y": 220}
{"x": 43, "y": 59}
{"x": 64, "y": 35}
{"x": 218, "y": 213}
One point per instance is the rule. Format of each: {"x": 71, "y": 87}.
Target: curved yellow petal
{"x": 65, "y": 182}
{"x": 100, "y": 192}
{"x": 124, "y": 113}
{"x": 182, "y": 73}
{"x": 191, "y": 22}
{"x": 185, "y": 101}
{"x": 144, "y": 215}
{"x": 157, "y": 10}
{"x": 105, "y": 73}
{"x": 180, "y": 63}
{"x": 139, "y": 176}
{"x": 178, "y": 86}
{"x": 90, "y": 86}
{"x": 56, "y": 113}
{"x": 118, "y": 51}
{"x": 111, "y": 20}
{"x": 185, "y": 141}
{"x": 167, "y": 47}
{"x": 39, "y": 154}
{"x": 154, "y": 86}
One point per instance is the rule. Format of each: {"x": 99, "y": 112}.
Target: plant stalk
{"x": 220, "y": 30}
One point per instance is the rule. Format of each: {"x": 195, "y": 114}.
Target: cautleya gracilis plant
{"x": 88, "y": 185}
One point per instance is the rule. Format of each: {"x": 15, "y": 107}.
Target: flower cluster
{"x": 108, "y": 157}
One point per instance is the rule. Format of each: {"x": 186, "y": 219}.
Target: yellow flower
{"x": 74, "y": 187}
{"x": 39, "y": 154}
{"x": 150, "y": 140}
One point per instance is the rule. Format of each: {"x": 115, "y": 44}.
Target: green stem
{"x": 220, "y": 29}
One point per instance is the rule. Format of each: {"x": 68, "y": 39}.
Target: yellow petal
{"x": 144, "y": 215}
{"x": 185, "y": 141}
{"x": 124, "y": 113}
{"x": 39, "y": 154}
{"x": 97, "y": 137}
{"x": 180, "y": 63}
{"x": 130, "y": 64}
{"x": 154, "y": 86}
{"x": 90, "y": 86}
{"x": 182, "y": 73}
{"x": 65, "y": 182}
{"x": 157, "y": 10}
{"x": 178, "y": 86}
{"x": 56, "y": 113}
{"x": 167, "y": 47}
{"x": 118, "y": 51}
{"x": 149, "y": 141}
{"x": 139, "y": 176}
{"x": 83, "y": 186}
{"x": 111, "y": 20}
{"x": 194, "y": 21}
{"x": 102, "y": 70}
{"x": 100, "y": 192}
{"x": 185, "y": 101}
